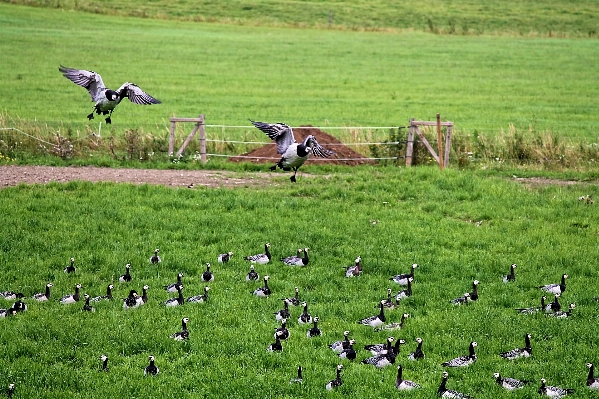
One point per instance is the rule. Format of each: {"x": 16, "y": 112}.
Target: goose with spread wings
{"x": 294, "y": 154}
{"x": 106, "y": 99}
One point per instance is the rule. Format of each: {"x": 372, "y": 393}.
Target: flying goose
{"x": 260, "y": 258}
{"x": 337, "y": 382}
{"x": 463, "y": 360}
{"x": 519, "y": 352}
{"x": 553, "y": 392}
{"x": 71, "y": 267}
{"x": 173, "y": 286}
{"x": 449, "y": 393}
{"x": 402, "y": 279}
{"x": 263, "y": 291}
{"x": 43, "y": 296}
{"x": 294, "y": 154}
{"x": 512, "y": 275}
{"x": 151, "y": 368}
{"x": 555, "y": 288}
{"x": 106, "y": 297}
{"x": 224, "y": 258}
{"x": 155, "y": 258}
{"x": 184, "y": 333}
{"x": 509, "y": 383}
{"x": 106, "y": 99}
{"x": 404, "y": 385}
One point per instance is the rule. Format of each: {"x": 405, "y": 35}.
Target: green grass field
{"x": 458, "y": 226}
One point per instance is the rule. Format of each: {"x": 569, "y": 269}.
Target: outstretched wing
{"x": 89, "y": 79}
{"x": 279, "y": 132}
{"x": 136, "y": 95}
{"x": 317, "y": 149}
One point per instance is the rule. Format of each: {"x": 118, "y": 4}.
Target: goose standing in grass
{"x": 402, "y": 279}
{"x": 394, "y": 326}
{"x": 418, "y": 354}
{"x": 261, "y": 258}
{"x": 143, "y": 299}
{"x": 263, "y": 291}
{"x": 184, "y": 333}
{"x": 283, "y": 313}
{"x": 299, "y": 379}
{"x": 377, "y": 320}
{"x": 305, "y": 317}
{"x": 356, "y": 269}
{"x": 252, "y": 275}
{"x": 533, "y": 309}
{"x": 200, "y": 298}
{"x": 284, "y": 332}
{"x": 71, "y": 267}
{"x": 151, "y": 368}
{"x": 11, "y": 390}
{"x": 276, "y": 346}
{"x": 554, "y": 306}
{"x": 509, "y": 383}
{"x": 104, "y": 360}
{"x": 173, "y": 286}
{"x": 314, "y": 331}
{"x": 474, "y": 294}
{"x": 592, "y": 381}
{"x": 444, "y": 392}
{"x": 154, "y": 259}
{"x": 555, "y": 288}
{"x": 11, "y": 295}
{"x": 294, "y": 301}
{"x": 105, "y": 100}
{"x": 405, "y": 293}
{"x": 178, "y": 301}
{"x": 380, "y": 349}
{"x": 43, "y": 296}
{"x": 207, "y": 276}
{"x": 349, "y": 352}
{"x": 461, "y": 300}
{"x": 71, "y": 298}
{"x": 293, "y": 154}
{"x": 339, "y": 346}
{"x": 297, "y": 260}
{"x": 519, "y": 352}
{"x": 224, "y": 258}
{"x": 404, "y": 385}
{"x": 563, "y": 314}
{"x": 389, "y": 303}
{"x": 512, "y": 275}
{"x": 465, "y": 360}
{"x": 553, "y": 392}
{"x": 337, "y": 382}
{"x": 131, "y": 300}
{"x": 125, "y": 278}
{"x": 86, "y": 306}
{"x": 106, "y": 297}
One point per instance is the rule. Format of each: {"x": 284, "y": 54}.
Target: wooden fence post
{"x": 171, "y": 141}
{"x": 202, "y": 139}
{"x": 410, "y": 146}
{"x": 447, "y": 144}
{"x": 440, "y": 141}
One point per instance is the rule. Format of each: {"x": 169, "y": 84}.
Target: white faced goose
{"x": 404, "y": 385}
{"x": 402, "y": 279}
{"x": 449, "y": 393}
{"x": 377, "y": 320}
{"x": 592, "y": 381}
{"x": 173, "y": 286}
{"x": 151, "y": 368}
{"x": 224, "y": 258}
{"x": 155, "y": 258}
{"x": 200, "y": 298}
{"x": 356, "y": 269}
{"x": 71, "y": 298}
{"x": 314, "y": 331}
{"x": 261, "y": 258}
{"x": 465, "y": 360}
{"x": 184, "y": 333}
{"x": 519, "y": 352}
{"x": 339, "y": 346}
{"x": 555, "y": 288}
{"x": 553, "y": 392}
{"x": 252, "y": 275}
{"x": 512, "y": 275}
{"x": 106, "y": 297}
{"x": 337, "y": 382}
{"x": 207, "y": 276}
{"x": 125, "y": 278}
{"x": 178, "y": 301}
{"x": 263, "y": 291}
{"x": 418, "y": 354}
{"x": 104, "y": 360}
{"x": 43, "y": 296}
{"x": 509, "y": 383}
{"x": 305, "y": 317}
{"x": 87, "y": 307}
{"x": 70, "y": 268}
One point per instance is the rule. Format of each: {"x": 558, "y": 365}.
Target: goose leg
{"x": 108, "y": 120}
{"x": 292, "y": 178}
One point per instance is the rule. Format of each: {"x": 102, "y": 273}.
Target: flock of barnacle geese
{"x": 383, "y": 354}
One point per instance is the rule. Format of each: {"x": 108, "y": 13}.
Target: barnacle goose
{"x": 200, "y": 298}
{"x": 294, "y": 301}
{"x": 379, "y": 349}
{"x": 382, "y": 360}
{"x": 404, "y": 385}
{"x": 293, "y": 154}
{"x": 563, "y": 314}
{"x": 261, "y": 258}
{"x": 512, "y": 275}
{"x": 184, "y": 333}
{"x": 252, "y": 275}
{"x": 70, "y": 268}
{"x": 377, "y": 320}
{"x": 173, "y": 286}
{"x": 465, "y": 360}
{"x": 337, "y": 382}
{"x": 131, "y": 300}
{"x": 155, "y": 258}
{"x": 449, "y": 393}
{"x": 18, "y": 306}
{"x": 509, "y": 383}
{"x": 314, "y": 331}
{"x": 533, "y": 309}
{"x": 339, "y": 346}
{"x": 106, "y": 99}
{"x": 125, "y": 278}
{"x": 276, "y": 346}
{"x": 179, "y": 300}
{"x": 106, "y": 297}
{"x": 474, "y": 294}
{"x": 284, "y": 332}
{"x": 263, "y": 291}
{"x": 143, "y": 299}
{"x": 402, "y": 279}
{"x": 11, "y": 295}
{"x": 389, "y": 304}
{"x": 555, "y": 288}
{"x": 592, "y": 382}
{"x": 104, "y": 360}
{"x": 394, "y": 326}
{"x": 11, "y": 390}
{"x": 7, "y": 312}
{"x": 290, "y": 260}
{"x": 207, "y": 276}
{"x": 283, "y": 313}
{"x": 151, "y": 368}
{"x": 43, "y": 296}
{"x": 519, "y": 352}
{"x": 349, "y": 352}
{"x": 299, "y": 379}
{"x": 461, "y": 300}
{"x": 417, "y": 354}
{"x": 554, "y": 306}
{"x": 305, "y": 317}
{"x": 405, "y": 293}
{"x": 224, "y": 258}
{"x": 356, "y": 269}
{"x": 86, "y": 306}
{"x": 553, "y": 392}
{"x": 71, "y": 298}
{"x": 297, "y": 260}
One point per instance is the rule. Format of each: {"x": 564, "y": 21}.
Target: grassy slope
{"x": 423, "y": 217}
{"x": 298, "y": 76}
